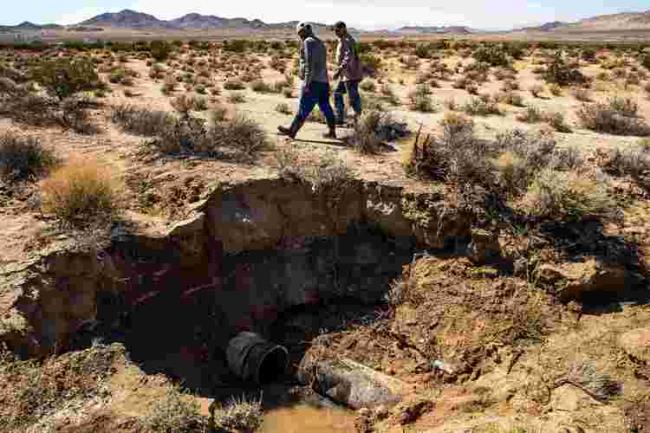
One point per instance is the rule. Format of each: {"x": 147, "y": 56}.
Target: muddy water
{"x": 303, "y": 418}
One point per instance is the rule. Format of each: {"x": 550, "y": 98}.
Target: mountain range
{"x": 129, "y": 19}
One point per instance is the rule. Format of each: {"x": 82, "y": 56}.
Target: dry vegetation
{"x": 539, "y": 147}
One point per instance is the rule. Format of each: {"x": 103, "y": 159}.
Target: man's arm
{"x": 309, "y": 58}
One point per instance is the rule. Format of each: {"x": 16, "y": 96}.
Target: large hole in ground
{"x": 179, "y": 322}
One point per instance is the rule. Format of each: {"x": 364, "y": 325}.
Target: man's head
{"x": 340, "y": 29}
{"x": 304, "y": 30}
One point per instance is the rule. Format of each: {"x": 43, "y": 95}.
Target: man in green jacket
{"x": 350, "y": 72}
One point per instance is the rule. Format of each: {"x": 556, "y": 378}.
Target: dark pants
{"x": 319, "y": 93}
{"x": 352, "y": 89}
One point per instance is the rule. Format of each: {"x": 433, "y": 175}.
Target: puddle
{"x": 304, "y": 418}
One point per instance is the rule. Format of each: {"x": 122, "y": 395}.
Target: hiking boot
{"x": 289, "y": 132}
{"x": 330, "y": 134}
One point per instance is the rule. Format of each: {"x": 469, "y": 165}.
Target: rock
{"x": 349, "y": 383}
{"x": 577, "y": 280}
{"x": 636, "y": 343}
{"x": 412, "y": 411}
{"x": 484, "y": 247}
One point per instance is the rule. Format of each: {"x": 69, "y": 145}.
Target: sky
{"x": 365, "y": 14}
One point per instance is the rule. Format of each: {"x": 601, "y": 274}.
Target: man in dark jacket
{"x": 315, "y": 87}
{"x": 350, "y": 72}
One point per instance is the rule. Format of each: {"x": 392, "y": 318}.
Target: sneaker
{"x": 330, "y": 135}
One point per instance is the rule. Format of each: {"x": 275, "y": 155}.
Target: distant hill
{"x": 434, "y": 30}
{"x": 548, "y": 27}
{"x": 125, "y": 19}
{"x": 613, "y": 22}
{"x": 130, "y": 19}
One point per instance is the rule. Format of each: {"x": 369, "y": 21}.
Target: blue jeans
{"x": 352, "y": 89}
{"x": 319, "y": 93}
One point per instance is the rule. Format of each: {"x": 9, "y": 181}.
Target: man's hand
{"x": 337, "y": 75}
{"x": 306, "y": 88}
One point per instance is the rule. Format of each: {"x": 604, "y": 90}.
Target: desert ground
{"x": 477, "y": 243}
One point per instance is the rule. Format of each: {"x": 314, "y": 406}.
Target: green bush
{"x": 160, "y": 50}
{"x": 63, "y": 77}
{"x": 493, "y": 55}
{"x": 23, "y": 158}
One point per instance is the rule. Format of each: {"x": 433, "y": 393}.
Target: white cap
{"x": 303, "y": 26}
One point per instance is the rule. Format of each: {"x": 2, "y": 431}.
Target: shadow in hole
{"x": 169, "y": 328}
{"x": 577, "y": 240}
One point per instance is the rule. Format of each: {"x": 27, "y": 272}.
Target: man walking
{"x": 350, "y": 72}
{"x": 315, "y": 86}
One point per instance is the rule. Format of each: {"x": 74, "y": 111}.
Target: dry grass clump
{"x": 483, "y": 105}
{"x": 234, "y": 84}
{"x": 535, "y": 115}
{"x": 374, "y": 129}
{"x": 23, "y": 158}
{"x": 634, "y": 163}
{"x": 140, "y": 121}
{"x": 323, "y": 170}
{"x": 241, "y": 415}
{"x": 33, "y": 390}
{"x": 586, "y": 377}
{"x": 238, "y": 138}
{"x": 457, "y": 156}
{"x": 175, "y": 413}
{"x": 420, "y": 99}
{"x": 81, "y": 192}
{"x": 283, "y": 108}
{"x": 556, "y": 194}
{"x": 618, "y": 116}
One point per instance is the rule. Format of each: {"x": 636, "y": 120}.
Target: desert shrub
{"x": 160, "y": 50}
{"x": 81, "y": 192}
{"x": 368, "y": 86}
{"x": 236, "y": 97}
{"x": 175, "y": 413}
{"x": 511, "y": 98}
{"x": 283, "y": 108}
{"x": 530, "y": 115}
{"x": 555, "y": 89}
{"x": 586, "y": 376}
{"x": 556, "y": 194}
{"x": 633, "y": 163}
{"x": 493, "y": 55}
{"x": 424, "y": 50}
{"x": 373, "y": 129}
{"x": 23, "y": 158}
{"x": 482, "y": 106}
{"x": 241, "y": 415}
{"x": 581, "y": 94}
{"x": 625, "y": 106}
{"x": 557, "y": 122}
{"x": 371, "y": 64}
{"x": 536, "y": 90}
{"x": 323, "y": 170}
{"x": 241, "y": 133}
{"x": 457, "y": 156}
{"x": 239, "y": 138}
{"x": 560, "y": 73}
{"x": 200, "y": 104}
{"x": 63, "y": 77}
{"x": 140, "y": 121}
{"x": 234, "y": 84}
{"x": 261, "y": 86}
{"x": 183, "y": 104}
{"x": 10, "y": 87}
{"x": 420, "y": 99}
{"x": 613, "y": 118}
